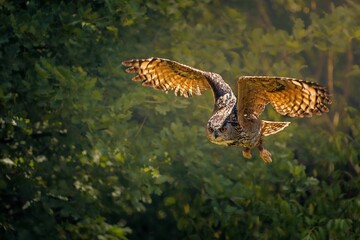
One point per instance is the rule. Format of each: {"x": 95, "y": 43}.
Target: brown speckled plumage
{"x": 235, "y": 121}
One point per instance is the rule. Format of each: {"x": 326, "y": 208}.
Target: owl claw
{"x": 246, "y": 153}
{"x": 265, "y": 155}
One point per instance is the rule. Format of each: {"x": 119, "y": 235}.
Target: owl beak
{"x": 216, "y": 134}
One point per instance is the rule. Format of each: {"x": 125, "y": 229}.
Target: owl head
{"x": 223, "y": 134}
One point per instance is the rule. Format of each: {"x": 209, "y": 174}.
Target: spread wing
{"x": 166, "y": 75}
{"x": 289, "y": 96}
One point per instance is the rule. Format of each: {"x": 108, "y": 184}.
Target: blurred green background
{"x": 85, "y": 153}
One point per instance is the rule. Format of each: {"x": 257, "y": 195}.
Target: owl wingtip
{"x": 127, "y": 63}
{"x": 328, "y": 101}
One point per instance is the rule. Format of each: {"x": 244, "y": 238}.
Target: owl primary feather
{"x": 235, "y": 119}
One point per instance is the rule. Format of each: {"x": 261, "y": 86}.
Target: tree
{"x": 87, "y": 154}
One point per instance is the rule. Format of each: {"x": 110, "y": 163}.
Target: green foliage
{"x": 87, "y": 154}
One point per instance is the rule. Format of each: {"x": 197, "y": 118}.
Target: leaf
{"x": 7, "y": 161}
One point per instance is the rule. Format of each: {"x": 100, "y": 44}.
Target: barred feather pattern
{"x": 270, "y": 127}
{"x": 167, "y": 75}
{"x": 289, "y": 96}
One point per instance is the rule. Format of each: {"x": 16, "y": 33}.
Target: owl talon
{"x": 265, "y": 155}
{"x": 246, "y": 153}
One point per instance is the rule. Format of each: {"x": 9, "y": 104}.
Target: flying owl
{"x": 235, "y": 119}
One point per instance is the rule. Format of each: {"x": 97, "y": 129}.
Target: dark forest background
{"x": 85, "y": 153}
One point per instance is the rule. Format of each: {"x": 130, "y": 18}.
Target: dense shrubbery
{"x": 87, "y": 154}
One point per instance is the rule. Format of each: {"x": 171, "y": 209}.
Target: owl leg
{"x": 246, "y": 153}
{"x": 264, "y": 154}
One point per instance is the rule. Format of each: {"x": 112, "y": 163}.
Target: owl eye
{"x": 223, "y": 129}
{"x": 210, "y": 129}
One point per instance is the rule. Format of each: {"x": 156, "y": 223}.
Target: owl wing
{"x": 289, "y": 96}
{"x": 166, "y": 75}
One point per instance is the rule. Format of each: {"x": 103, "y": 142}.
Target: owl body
{"x": 235, "y": 119}
{"x": 246, "y": 136}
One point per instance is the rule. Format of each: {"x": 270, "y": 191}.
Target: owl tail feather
{"x": 269, "y": 127}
